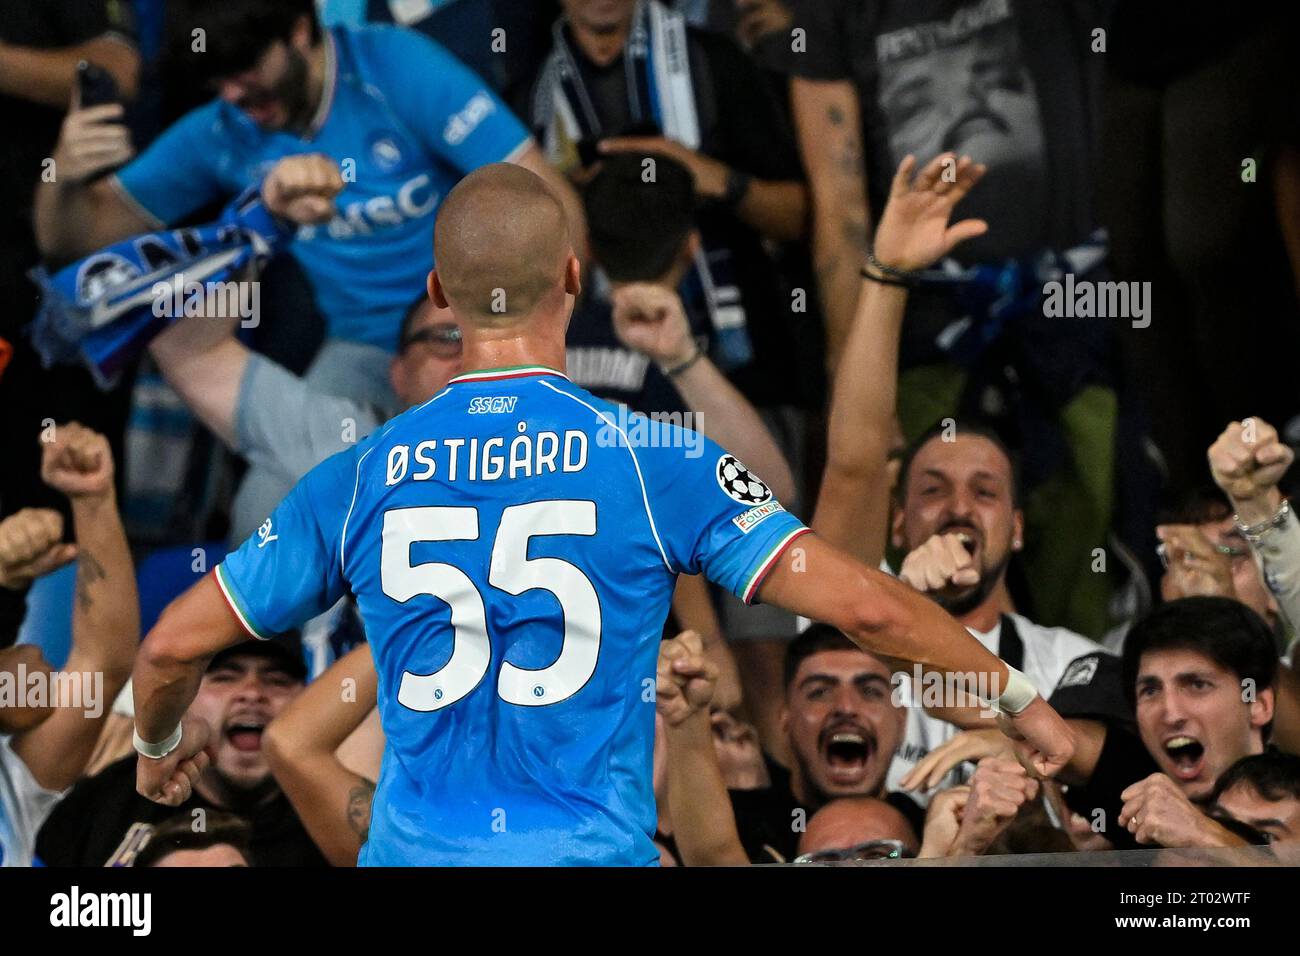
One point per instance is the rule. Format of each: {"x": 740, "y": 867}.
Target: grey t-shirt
{"x": 285, "y": 428}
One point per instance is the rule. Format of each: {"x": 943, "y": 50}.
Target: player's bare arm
{"x": 895, "y": 622}
{"x": 302, "y": 745}
{"x": 853, "y": 506}
{"x": 167, "y": 673}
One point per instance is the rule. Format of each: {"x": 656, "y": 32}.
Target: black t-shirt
{"x": 1012, "y": 82}
{"x": 604, "y": 366}
{"x": 104, "y": 822}
{"x": 468, "y": 31}
{"x": 1123, "y": 761}
{"x": 766, "y": 819}
{"x": 1092, "y": 688}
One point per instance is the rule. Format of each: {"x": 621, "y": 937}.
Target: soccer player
{"x": 512, "y": 549}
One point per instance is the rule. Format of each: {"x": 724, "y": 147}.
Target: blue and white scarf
{"x": 102, "y": 309}
{"x": 660, "y": 94}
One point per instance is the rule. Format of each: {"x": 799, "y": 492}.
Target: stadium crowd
{"x": 999, "y": 295}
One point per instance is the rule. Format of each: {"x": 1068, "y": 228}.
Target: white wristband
{"x": 1018, "y": 695}
{"x": 159, "y": 750}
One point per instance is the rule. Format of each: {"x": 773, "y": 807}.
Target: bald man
{"x": 512, "y": 545}
{"x": 856, "y": 828}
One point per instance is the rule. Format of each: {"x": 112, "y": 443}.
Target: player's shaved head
{"x": 501, "y": 244}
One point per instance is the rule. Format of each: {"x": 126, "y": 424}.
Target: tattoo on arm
{"x": 89, "y": 571}
{"x": 855, "y": 233}
{"x": 359, "y": 800}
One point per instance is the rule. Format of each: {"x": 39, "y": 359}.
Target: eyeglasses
{"x": 1227, "y": 550}
{"x": 871, "y": 850}
{"x": 442, "y": 338}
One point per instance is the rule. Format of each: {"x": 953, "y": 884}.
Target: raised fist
{"x": 650, "y": 319}
{"x": 685, "y": 678}
{"x": 78, "y": 462}
{"x": 1248, "y": 460}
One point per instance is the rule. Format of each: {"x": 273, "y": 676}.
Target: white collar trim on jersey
{"x": 512, "y": 371}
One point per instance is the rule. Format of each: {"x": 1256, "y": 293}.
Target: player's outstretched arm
{"x": 302, "y": 744}
{"x": 168, "y": 669}
{"x": 891, "y": 620}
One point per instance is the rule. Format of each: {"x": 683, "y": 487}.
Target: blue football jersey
{"x": 512, "y": 545}
{"x": 404, "y": 119}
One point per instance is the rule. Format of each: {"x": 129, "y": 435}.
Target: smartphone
{"x": 96, "y": 85}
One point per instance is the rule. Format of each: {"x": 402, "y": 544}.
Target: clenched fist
{"x": 998, "y": 789}
{"x": 650, "y": 319}
{"x": 941, "y": 564}
{"x": 1247, "y": 461}
{"x": 302, "y": 188}
{"x": 685, "y": 678}
{"x": 78, "y": 462}
{"x": 1157, "y": 811}
{"x": 31, "y": 546}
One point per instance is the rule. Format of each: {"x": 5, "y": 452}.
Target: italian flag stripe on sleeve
{"x": 236, "y": 606}
{"x": 757, "y": 578}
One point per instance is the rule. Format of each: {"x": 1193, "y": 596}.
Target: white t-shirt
{"x": 24, "y": 805}
{"x": 1048, "y": 651}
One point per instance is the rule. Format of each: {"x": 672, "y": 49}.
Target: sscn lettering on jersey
{"x": 492, "y": 404}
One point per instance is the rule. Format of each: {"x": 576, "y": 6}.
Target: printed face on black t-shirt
{"x": 964, "y": 92}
